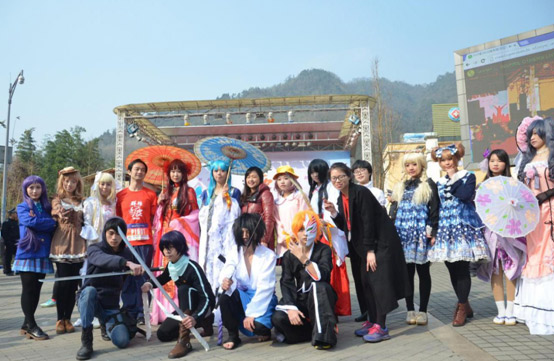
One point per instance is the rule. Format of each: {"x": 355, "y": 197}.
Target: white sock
{"x": 501, "y": 308}
{"x": 510, "y": 309}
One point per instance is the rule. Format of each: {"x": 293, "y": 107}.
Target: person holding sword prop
{"x": 373, "y": 238}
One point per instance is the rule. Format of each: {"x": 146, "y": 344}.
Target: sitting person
{"x": 248, "y": 279}
{"x": 196, "y": 298}
{"x": 99, "y": 297}
{"x": 306, "y": 311}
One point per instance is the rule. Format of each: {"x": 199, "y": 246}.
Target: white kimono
{"x": 261, "y": 279}
{"x": 218, "y": 239}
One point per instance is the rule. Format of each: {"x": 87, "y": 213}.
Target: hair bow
{"x": 452, "y": 148}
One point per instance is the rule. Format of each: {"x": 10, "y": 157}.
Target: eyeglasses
{"x": 359, "y": 171}
{"x": 338, "y": 178}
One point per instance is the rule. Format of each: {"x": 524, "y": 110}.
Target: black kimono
{"x": 372, "y": 230}
{"x": 310, "y": 294}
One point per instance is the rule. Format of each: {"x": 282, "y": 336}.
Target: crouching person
{"x": 306, "y": 311}
{"x": 99, "y": 297}
{"x": 248, "y": 279}
{"x": 196, "y": 298}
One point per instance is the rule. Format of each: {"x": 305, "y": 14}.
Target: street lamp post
{"x": 20, "y": 79}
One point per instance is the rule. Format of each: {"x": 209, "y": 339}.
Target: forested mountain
{"x": 412, "y": 103}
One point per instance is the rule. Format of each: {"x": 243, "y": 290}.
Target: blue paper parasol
{"x": 243, "y": 155}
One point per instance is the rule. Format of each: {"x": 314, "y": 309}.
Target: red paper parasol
{"x": 157, "y": 157}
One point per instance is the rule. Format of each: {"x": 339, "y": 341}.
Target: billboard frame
{"x": 461, "y": 85}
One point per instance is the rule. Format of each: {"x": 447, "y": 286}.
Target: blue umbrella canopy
{"x": 242, "y": 154}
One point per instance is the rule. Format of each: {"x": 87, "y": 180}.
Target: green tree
{"x": 68, "y": 148}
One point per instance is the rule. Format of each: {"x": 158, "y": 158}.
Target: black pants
{"x": 65, "y": 291}
{"x": 355, "y": 264}
{"x": 30, "y": 293}
{"x": 370, "y": 297}
{"x": 9, "y": 254}
{"x": 424, "y": 285}
{"x": 461, "y": 281}
{"x": 319, "y": 324}
{"x": 232, "y": 315}
{"x": 188, "y": 301}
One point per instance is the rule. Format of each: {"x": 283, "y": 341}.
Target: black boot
{"x": 207, "y": 326}
{"x": 103, "y": 333}
{"x": 85, "y": 352}
{"x": 361, "y": 318}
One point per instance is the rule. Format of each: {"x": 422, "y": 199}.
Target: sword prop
{"x": 97, "y": 275}
{"x": 160, "y": 287}
{"x": 146, "y": 309}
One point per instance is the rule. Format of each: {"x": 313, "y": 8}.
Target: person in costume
{"x": 137, "y": 204}
{"x": 68, "y": 249}
{"x": 288, "y": 201}
{"x": 195, "y": 295}
{"x": 177, "y": 210}
{"x": 99, "y": 297}
{"x": 416, "y": 222}
{"x": 507, "y": 254}
{"x": 363, "y": 171}
{"x": 257, "y": 198}
{"x": 459, "y": 238}
{"x": 100, "y": 206}
{"x": 534, "y": 301}
{"x": 248, "y": 282}
{"x": 220, "y": 208}
{"x": 306, "y": 311}
{"x": 320, "y": 189}
{"x": 376, "y": 250}
{"x": 31, "y": 258}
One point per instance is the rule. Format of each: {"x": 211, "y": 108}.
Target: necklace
{"x": 542, "y": 151}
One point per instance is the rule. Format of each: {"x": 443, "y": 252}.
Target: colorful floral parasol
{"x": 507, "y": 206}
{"x": 242, "y": 154}
{"x": 157, "y": 157}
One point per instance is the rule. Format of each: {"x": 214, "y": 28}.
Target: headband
{"x": 452, "y": 148}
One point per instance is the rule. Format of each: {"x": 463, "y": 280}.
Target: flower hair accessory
{"x": 521, "y": 134}
{"x": 452, "y": 148}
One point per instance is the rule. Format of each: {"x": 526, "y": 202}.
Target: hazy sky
{"x": 83, "y": 58}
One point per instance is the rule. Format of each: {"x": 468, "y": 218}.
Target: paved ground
{"x": 479, "y": 340}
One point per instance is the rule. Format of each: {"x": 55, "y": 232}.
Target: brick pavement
{"x": 480, "y": 339}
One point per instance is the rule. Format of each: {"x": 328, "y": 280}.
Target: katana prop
{"x": 162, "y": 290}
{"x": 96, "y": 275}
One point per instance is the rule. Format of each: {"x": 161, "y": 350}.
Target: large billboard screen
{"x": 498, "y": 86}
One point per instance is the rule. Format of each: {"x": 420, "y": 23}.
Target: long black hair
{"x": 255, "y": 225}
{"x": 504, "y": 158}
{"x": 320, "y": 167}
{"x": 543, "y": 128}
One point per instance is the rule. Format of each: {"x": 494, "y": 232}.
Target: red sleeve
{"x": 153, "y": 205}
{"x": 191, "y": 195}
{"x": 119, "y": 197}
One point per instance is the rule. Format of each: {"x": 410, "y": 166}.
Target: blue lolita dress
{"x": 460, "y": 235}
{"x": 414, "y": 221}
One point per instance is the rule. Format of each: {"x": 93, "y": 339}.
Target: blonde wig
{"x": 103, "y": 178}
{"x": 78, "y": 194}
{"x": 423, "y": 192}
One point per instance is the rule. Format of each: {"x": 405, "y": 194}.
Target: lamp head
{"x": 21, "y": 79}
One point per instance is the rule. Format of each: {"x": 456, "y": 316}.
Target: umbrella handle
{"x": 227, "y": 196}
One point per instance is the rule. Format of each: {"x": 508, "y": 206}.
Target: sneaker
{"x": 95, "y": 323}
{"x": 50, "y": 303}
{"x": 377, "y": 334}
{"x": 499, "y": 320}
{"x": 510, "y": 321}
{"x": 411, "y": 318}
{"x": 421, "y": 318}
{"x": 364, "y": 330}
{"x": 140, "y": 321}
{"x": 322, "y": 345}
{"x": 77, "y": 323}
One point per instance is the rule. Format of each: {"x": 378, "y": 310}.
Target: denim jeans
{"x": 90, "y": 307}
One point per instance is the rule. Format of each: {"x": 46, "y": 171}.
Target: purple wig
{"x": 31, "y": 241}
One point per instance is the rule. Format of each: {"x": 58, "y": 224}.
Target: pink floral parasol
{"x": 507, "y": 206}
